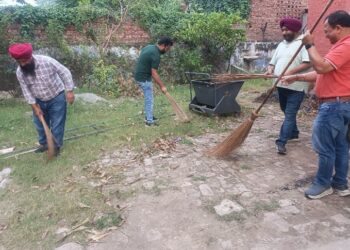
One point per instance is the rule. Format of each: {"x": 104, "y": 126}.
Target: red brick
{"x": 129, "y": 33}
{"x": 271, "y": 12}
{"x": 315, "y": 9}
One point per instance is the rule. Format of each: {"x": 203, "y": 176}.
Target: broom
{"x": 180, "y": 114}
{"x": 233, "y": 77}
{"x": 237, "y": 137}
{"x": 49, "y": 139}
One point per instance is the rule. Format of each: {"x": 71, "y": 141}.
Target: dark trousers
{"x": 55, "y": 116}
{"x": 290, "y": 101}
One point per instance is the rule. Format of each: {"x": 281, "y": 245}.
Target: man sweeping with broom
{"x": 147, "y": 69}
{"x": 329, "y": 135}
{"x": 291, "y": 96}
{"x": 43, "y": 81}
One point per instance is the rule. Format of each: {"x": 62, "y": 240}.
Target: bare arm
{"x": 307, "y": 77}
{"x": 320, "y": 65}
{"x": 157, "y": 79}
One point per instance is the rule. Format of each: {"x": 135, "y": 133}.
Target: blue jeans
{"x": 330, "y": 142}
{"x": 55, "y": 116}
{"x": 290, "y": 101}
{"x": 147, "y": 88}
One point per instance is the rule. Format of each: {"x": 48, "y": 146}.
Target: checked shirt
{"x": 49, "y": 80}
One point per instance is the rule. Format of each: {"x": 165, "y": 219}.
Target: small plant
{"x": 239, "y": 217}
{"x": 186, "y": 141}
{"x": 245, "y": 167}
{"x": 199, "y": 178}
{"x": 109, "y": 220}
{"x": 269, "y": 206}
{"x": 104, "y": 78}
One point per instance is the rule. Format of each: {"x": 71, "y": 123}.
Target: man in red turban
{"x": 291, "y": 96}
{"x": 47, "y": 86}
{"x": 21, "y": 51}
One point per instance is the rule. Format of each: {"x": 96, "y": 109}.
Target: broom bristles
{"x": 180, "y": 114}
{"x": 238, "y": 136}
{"x": 234, "y": 140}
{"x": 232, "y": 77}
{"x": 49, "y": 139}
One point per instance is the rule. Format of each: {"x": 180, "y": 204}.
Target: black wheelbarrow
{"x": 213, "y": 98}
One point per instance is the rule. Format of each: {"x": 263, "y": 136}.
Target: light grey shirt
{"x": 50, "y": 79}
{"x": 284, "y": 52}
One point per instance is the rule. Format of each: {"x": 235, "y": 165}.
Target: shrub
{"x": 213, "y": 33}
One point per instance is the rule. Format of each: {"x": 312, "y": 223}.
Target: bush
{"x": 182, "y": 59}
{"x": 213, "y": 33}
{"x": 204, "y": 40}
{"x": 160, "y": 18}
{"x": 228, "y": 6}
{"x": 104, "y": 78}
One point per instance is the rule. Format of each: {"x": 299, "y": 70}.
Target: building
{"x": 264, "y": 33}
{"x": 315, "y": 8}
{"x": 265, "y": 15}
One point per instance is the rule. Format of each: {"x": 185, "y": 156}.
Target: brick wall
{"x": 266, "y": 14}
{"x": 129, "y": 33}
{"x": 315, "y": 9}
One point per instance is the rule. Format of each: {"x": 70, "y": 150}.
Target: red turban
{"x": 21, "y": 50}
{"x": 292, "y": 24}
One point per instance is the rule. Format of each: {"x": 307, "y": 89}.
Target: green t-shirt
{"x": 149, "y": 59}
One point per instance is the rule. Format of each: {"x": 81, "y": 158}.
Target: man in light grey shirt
{"x": 291, "y": 96}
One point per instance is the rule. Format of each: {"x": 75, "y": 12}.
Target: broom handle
{"x": 295, "y": 55}
{"x": 46, "y": 128}
{"x": 43, "y": 122}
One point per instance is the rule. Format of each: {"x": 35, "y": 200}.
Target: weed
{"x": 199, "y": 178}
{"x": 245, "y": 167}
{"x": 265, "y": 206}
{"x": 108, "y": 220}
{"x": 186, "y": 141}
{"x": 234, "y": 216}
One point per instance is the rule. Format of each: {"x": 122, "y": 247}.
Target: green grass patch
{"x": 257, "y": 85}
{"x": 199, "y": 178}
{"x": 39, "y": 197}
{"x": 108, "y": 220}
{"x": 265, "y": 206}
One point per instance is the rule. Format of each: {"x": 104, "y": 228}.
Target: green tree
{"x": 159, "y": 17}
{"x": 227, "y": 6}
{"x": 213, "y": 33}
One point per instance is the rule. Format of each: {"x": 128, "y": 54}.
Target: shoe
{"x": 154, "y": 118}
{"x": 57, "y": 151}
{"x": 281, "y": 149}
{"x": 316, "y": 191}
{"x": 342, "y": 191}
{"x": 151, "y": 124}
{"x": 41, "y": 149}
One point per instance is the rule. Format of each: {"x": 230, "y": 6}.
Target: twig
{"x": 113, "y": 30}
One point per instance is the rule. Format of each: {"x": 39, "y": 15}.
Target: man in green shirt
{"x": 146, "y": 69}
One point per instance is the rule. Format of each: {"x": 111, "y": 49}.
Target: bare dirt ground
{"x": 176, "y": 198}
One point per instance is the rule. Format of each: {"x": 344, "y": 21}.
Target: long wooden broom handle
{"x": 293, "y": 58}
